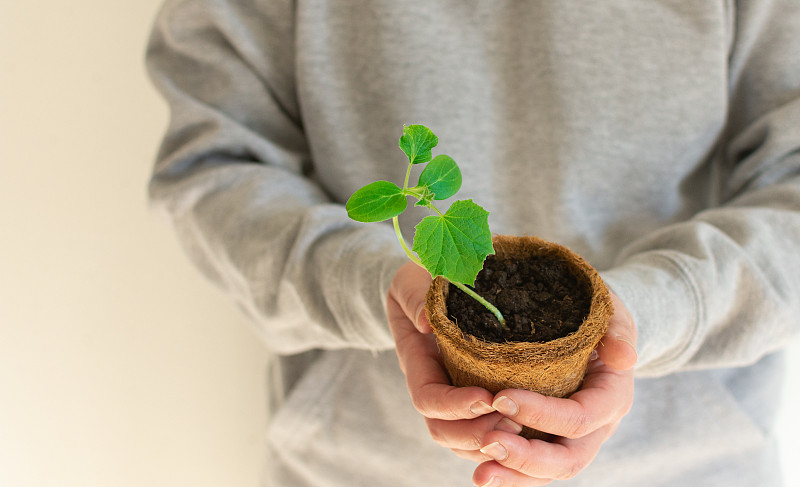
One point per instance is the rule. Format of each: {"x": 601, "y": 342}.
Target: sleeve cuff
{"x": 665, "y": 305}
{"x": 363, "y": 274}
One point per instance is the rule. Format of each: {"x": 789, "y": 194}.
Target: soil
{"x": 539, "y": 298}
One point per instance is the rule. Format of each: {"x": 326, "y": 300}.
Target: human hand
{"x": 457, "y": 417}
{"x": 581, "y": 422}
{"x": 463, "y": 420}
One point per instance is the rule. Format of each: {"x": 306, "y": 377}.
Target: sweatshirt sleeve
{"x": 723, "y": 288}
{"x": 235, "y": 177}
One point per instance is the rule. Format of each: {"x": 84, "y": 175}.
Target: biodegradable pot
{"x": 553, "y": 368}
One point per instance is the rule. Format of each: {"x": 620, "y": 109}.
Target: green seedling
{"x": 452, "y": 244}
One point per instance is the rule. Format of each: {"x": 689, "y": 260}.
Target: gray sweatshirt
{"x": 659, "y": 139}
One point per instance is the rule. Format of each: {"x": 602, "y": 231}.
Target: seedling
{"x": 452, "y": 244}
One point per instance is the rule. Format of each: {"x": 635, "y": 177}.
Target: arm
{"x": 235, "y": 177}
{"x": 723, "y": 288}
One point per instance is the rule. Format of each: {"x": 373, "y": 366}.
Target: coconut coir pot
{"x": 555, "y": 367}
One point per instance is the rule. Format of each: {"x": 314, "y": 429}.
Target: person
{"x": 660, "y": 140}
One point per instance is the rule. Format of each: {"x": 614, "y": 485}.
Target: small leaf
{"x": 417, "y": 142}
{"x": 454, "y": 245}
{"x": 376, "y": 202}
{"x": 426, "y": 197}
{"x": 442, "y": 176}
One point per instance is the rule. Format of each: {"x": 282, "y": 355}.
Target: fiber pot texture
{"x": 553, "y": 368}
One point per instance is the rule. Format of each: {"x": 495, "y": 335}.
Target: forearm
{"x": 307, "y": 276}
{"x": 233, "y": 177}
{"x": 720, "y": 290}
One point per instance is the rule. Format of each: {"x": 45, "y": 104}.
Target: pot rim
{"x": 587, "y": 336}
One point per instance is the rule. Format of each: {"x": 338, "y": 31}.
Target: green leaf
{"x": 425, "y": 196}
{"x": 417, "y": 142}
{"x": 442, "y": 176}
{"x": 376, "y": 202}
{"x": 454, "y": 245}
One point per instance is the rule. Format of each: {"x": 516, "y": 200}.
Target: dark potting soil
{"x": 539, "y": 298}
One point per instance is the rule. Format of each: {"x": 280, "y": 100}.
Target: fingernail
{"x": 480, "y": 408}
{"x": 508, "y": 426}
{"x": 594, "y": 356}
{"x": 422, "y": 316}
{"x": 628, "y": 341}
{"x": 493, "y": 482}
{"x": 505, "y": 406}
{"x": 496, "y": 451}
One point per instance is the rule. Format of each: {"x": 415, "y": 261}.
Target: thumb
{"x": 618, "y": 347}
{"x": 408, "y": 289}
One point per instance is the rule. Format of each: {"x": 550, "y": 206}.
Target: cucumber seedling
{"x": 452, "y": 244}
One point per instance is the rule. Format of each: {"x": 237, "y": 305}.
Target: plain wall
{"x": 119, "y": 365}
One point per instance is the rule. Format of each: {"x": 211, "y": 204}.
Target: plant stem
{"x": 409, "y": 253}
{"x": 408, "y": 174}
{"x": 415, "y": 259}
{"x": 477, "y": 297}
{"x": 487, "y": 304}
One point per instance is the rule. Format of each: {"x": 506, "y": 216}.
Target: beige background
{"x": 119, "y": 366}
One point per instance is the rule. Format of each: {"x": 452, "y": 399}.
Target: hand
{"x": 456, "y": 416}
{"x": 582, "y": 422}
{"x": 466, "y": 419}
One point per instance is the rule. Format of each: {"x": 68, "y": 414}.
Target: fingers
{"x": 472, "y": 455}
{"x": 443, "y": 401}
{"x": 418, "y": 355}
{"x": 582, "y": 423}
{"x": 618, "y": 346}
{"x": 566, "y": 418}
{"x": 514, "y": 479}
{"x": 465, "y": 437}
{"x": 427, "y": 381}
{"x": 605, "y": 397}
{"x": 410, "y": 345}
{"x": 408, "y": 289}
{"x": 518, "y": 461}
{"x": 465, "y": 434}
